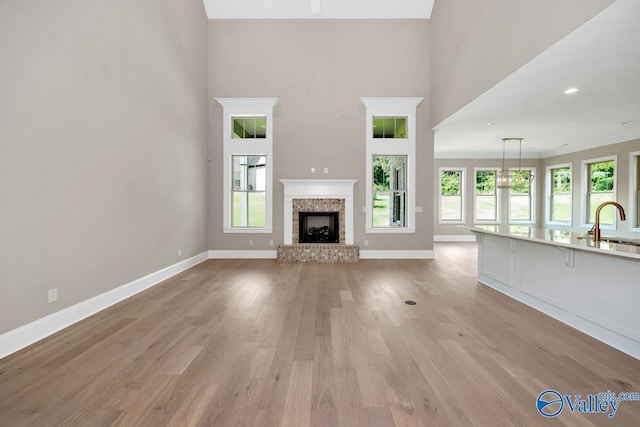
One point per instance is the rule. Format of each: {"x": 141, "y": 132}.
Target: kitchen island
{"x": 591, "y": 286}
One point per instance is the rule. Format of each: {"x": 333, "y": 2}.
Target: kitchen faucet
{"x": 596, "y": 226}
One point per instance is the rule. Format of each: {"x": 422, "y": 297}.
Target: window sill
{"x": 602, "y": 226}
{"x": 248, "y": 230}
{"x": 397, "y": 230}
{"x": 559, "y": 223}
{"x": 456, "y": 222}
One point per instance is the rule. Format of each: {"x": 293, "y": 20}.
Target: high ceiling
{"x": 601, "y": 59}
{"x": 318, "y": 9}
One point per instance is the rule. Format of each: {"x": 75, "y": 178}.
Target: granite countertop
{"x": 561, "y": 238}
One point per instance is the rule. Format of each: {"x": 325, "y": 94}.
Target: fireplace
{"x": 319, "y": 227}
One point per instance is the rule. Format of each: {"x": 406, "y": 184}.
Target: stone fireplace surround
{"x": 318, "y": 195}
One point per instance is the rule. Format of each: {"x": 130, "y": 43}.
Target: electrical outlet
{"x": 250, "y": 242}
{"x": 179, "y": 252}
{"x": 366, "y": 243}
{"x": 326, "y": 170}
{"x": 313, "y": 170}
{"x": 53, "y": 295}
{"x": 270, "y": 242}
{"x": 418, "y": 209}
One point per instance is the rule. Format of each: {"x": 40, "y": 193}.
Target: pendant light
{"x": 511, "y": 179}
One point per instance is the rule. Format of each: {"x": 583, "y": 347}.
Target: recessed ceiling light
{"x": 564, "y": 145}
{"x": 491, "y": 123}
{"x": 571, "y": 90}
{"x": 627, "y": 122}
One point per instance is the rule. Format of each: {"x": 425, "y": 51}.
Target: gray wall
{"x": 319, "y": 69}
{"x": 476, "y": 44}
{"x": 470, "y": 164}
{"x": 103, "y": 144}
{"x": 623, "y": 181}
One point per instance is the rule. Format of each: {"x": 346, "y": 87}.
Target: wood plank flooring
{"x": 256, "y": 343}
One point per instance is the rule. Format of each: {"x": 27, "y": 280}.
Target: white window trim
{"x": 392, "y": 107}
{"x": 249, "y": 107}
{"x": 532, "y": 198}
{"x": 585, "y": 187}
{"x": 498, "y": 200}
{"x": 548, "y": 187}
{"x": 463, "y": 213}
{"x": 634, "y": 197}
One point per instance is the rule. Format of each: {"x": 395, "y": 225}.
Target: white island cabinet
{"x": 593, "y": 287}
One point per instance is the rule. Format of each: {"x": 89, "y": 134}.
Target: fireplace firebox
{"x": 318, "y": 227}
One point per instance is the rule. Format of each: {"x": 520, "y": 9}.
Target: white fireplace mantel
{"x": 318, "y": 189}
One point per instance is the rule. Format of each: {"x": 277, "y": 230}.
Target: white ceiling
{"x": 318, "y": 9}
{"x": 601, "y": 59}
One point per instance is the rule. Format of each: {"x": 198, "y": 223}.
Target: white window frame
{"x": 391, "y": 107}
{"x": 548, "y": 194}
{"x": 585, "y": 189}
{"x": 634, "y": 191}
{"x": 463, "y": 201}
{"x": 246, "y": 107}
{"x": 498, "y": 199}
{"x": 532, "y": 198}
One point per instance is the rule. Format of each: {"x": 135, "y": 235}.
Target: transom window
{"x": 390, "y": 127}
{"x": 249, "y": 127}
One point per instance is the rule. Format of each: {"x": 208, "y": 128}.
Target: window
{"x": 247, "y": 164}
{"x": 249, "y": 127}
{"x": 389, "y": 191}
{"x": 522, "y": 197}
{"x": 390, "y": 127}
{"x": 452, "y": 195}
{"x": 559, "y": 194}
{"x": 486, "y": 199}
{"x": 634, "y": 191}
{"x": 249, "y": 191}
{"x": 600, "y": 184}
{"x": 391, "y": 164}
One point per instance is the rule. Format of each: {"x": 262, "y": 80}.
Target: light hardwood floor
{"x": 256, "y": 343}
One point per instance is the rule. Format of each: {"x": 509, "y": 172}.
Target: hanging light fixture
{"x": 513, "y": 179}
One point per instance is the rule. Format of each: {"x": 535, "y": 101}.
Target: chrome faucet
{"x": 596, "y": 226}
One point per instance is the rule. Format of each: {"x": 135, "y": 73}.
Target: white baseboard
{"x": 243, "y": 254}
{"x": 386, "y": 254}
{"x": 25, "y": 335}
{"x": 454, "y": 238}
